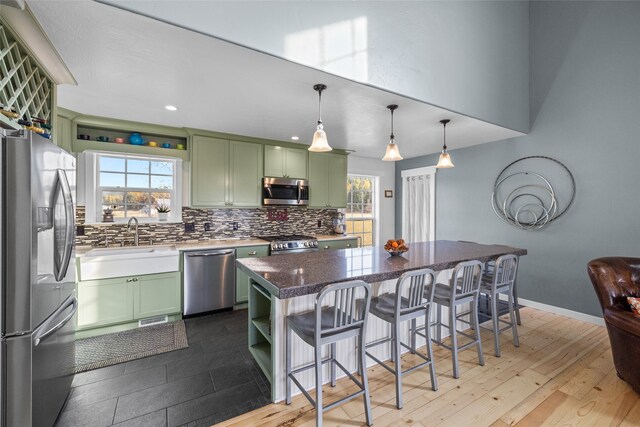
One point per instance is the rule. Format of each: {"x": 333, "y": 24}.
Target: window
{"x": 133, "y": 186}
{"x": 360, "y": 213}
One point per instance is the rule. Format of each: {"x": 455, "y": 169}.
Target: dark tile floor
{"x": 212, "y": 380}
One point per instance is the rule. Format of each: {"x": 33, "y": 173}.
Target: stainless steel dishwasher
{"x": 209, "y": 280}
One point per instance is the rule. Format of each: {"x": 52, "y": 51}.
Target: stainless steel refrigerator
{"x": 37, "y": 298}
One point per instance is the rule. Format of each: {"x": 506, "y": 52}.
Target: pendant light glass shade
{"x": 445, "y": 159}
{"x": 319, "y": 144}
{"x": 393, "y": 153}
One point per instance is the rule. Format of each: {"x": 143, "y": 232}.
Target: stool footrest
{"x": 309, "y": 366}
{"x": 378, "y": 342}
{"x": 427, "y": 361}
{"x": 339, "y": 365}
{"x": 461, "y": 347}
{"x": 504, "y": 328}
{"x": 343, "y": 400}
{"x": 306, "y": 394}
{"x": 467, "y": 345}
{"x": 419, "y": 365}
{"x": 468, "y": 336}
{"x": 380, "y": 362}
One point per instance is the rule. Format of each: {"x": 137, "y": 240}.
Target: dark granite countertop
{"x": 287, "y": 276}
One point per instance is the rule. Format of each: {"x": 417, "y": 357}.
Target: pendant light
{"x": 392, "y": 154}
{"x": 319, "y": 143}
{"x": 445, "y": 158}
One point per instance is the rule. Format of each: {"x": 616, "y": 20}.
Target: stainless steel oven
{"x": 294, "y": 251}
{"x": 285, "y": 191}
{"x": 291, "y": 244}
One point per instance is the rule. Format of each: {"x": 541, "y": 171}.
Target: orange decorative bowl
{"x": 396, "y": 247}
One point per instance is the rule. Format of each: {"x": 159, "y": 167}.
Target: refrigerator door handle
{"x": 39, "y": 336}
{"x": 63, "y": 182}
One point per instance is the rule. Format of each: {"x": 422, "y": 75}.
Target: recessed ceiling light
{"x": 295, "y": 138}
{"x": 171, "y": 107}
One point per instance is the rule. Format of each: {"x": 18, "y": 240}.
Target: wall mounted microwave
{"x": 285, "y": 191}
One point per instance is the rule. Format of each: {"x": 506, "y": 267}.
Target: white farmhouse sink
{"x": 104, "y": 263}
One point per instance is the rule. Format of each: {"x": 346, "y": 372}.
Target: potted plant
{"x": 163, "y": 212}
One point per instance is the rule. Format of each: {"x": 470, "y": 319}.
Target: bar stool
{"x": 412, "y": 299}
{"x": 464, "y": 288}
{"x": 489, "y": 268}
{"x": 501, "y": 280}
{"x": 326, "y": 326}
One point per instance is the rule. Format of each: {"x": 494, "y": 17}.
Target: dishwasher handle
{"x": 200, "y": 254}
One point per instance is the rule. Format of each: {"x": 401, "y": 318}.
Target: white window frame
{"x": 431, "y": 172}
{"x": 93, "y": 195}
{"x": 375, "y": 208}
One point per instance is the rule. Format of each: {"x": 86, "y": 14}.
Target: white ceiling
{"x": 128, "y": 66}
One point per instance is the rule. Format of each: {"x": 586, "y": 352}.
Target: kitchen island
{"x": 288, "y": 284}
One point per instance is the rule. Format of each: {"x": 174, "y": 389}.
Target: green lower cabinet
{"x": 104, "y": 302}
{"x": 156, "y": 294}
{"x": 242, "y": 280}
{"x": 338, "y": 244}
{"x": 125, "y": 299}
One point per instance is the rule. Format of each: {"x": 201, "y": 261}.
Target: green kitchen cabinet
{"x": 327, "y": 180}
{"x": 225, "y": 173}
{"x": 338, "y": 244}
{"x": 209, "y": 171}
{"x": 156, "y": 294}
{"x": 285, "y": 162}
{"x": 242, "y": 280}
{"x": 104, "y": 302}
{"x": 125, "y": 299}
{"x": 245, "y": 183}
{"x": 62, "y": 134}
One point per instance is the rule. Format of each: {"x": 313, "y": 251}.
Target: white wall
{"x": 385, "y": 171}
{"x": 471, "y": 57}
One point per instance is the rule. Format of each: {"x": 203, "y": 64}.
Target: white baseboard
{"x": 559, "y": 310}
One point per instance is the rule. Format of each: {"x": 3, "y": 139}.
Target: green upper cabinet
{"x": 209, "y": 171}
{"x": 327, "y": 180}
{"x": 337, "y": 181}
{"x": 225, "y": 173}
{"x": 246, "y": 174}
{"x": 62, "y": 134}
{"x": 285, "y": 162}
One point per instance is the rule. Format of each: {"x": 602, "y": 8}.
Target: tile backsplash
{"x": 250, "y": 222}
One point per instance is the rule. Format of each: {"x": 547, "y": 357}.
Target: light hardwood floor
{"x": 562, "y": 374}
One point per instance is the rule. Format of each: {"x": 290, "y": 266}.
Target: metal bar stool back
{"x": 464, "y": 288}
{"x": 326, "y": 325}
{"x": 502, "y": 280}
{"x": 489, "y": 269}
{"x": 412, "y": 299}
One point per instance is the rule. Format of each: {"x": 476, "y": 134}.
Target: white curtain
{"x": 416, "y": 195}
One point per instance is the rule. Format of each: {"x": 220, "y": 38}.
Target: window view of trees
{"x": 135, "y": 186}
{"x": 360, "y": 208}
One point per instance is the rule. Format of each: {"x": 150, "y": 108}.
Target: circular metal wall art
{"x": 527, "y": 199}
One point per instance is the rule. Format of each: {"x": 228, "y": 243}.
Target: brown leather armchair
{"x": 614, "y": 279}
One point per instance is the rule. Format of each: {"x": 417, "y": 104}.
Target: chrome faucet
{"x": 135, "y": 237}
